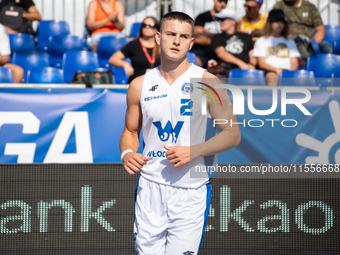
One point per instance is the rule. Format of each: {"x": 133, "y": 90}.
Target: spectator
{"x": 274, "y": 51}
{"x": 5, "y": 51}
{"x": 27, "y": 12}
{"x": 233, "y": 49}
{"x": 205, "y": 28}
{"x": 303, "y": 18}
{"x": 253, "y": 22}
{"x": 104, "y": 18}
{"x": 143, "y": 51}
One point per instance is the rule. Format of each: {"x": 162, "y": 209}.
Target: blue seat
{"x": 46, "y": 75}
{"x": 31, "y": 60}
{"x": 135, "y": 29}
{"x": 21, "y": 42}
{"x": 297, "y": 78}
{"x": 47, "y": 28}
{"x": 251, "y": 77}
{"x": 323, "y": 65}
{"x": 6, "y": 75}
{"x": 336, "y": 47}
{"x": 332, "y": 33}
{"x": 119, "y": 74}
{"x": 74, "y": 61}
{"x": 335, "y": 79}
{"x": 315, "y": 46}
{"x": 58, "y": 45}
{"x": 107, "y": 46}
{"x": 191, "y": 57}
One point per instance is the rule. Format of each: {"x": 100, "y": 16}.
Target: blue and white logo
{"x": 187, "y": 88}
{"x": 165, "y": 133}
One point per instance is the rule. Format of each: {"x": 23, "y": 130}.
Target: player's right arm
{"x": 133, "y": 161}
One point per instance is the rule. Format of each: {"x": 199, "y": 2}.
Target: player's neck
{"x": 171, "y": 70}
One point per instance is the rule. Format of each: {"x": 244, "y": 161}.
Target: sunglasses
{"x": 151, "y": 25}
{"x": 249, "y": 7}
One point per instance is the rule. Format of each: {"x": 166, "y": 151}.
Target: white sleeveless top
{"x": 171, "y": 118}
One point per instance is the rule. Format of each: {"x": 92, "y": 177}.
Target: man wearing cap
{"x": 205, "y": 27}
{"x": 303, "y": 18}
{"x": 233, "y": 49}
{"x": 253, "y": 22}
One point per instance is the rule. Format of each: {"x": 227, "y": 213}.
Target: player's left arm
{"x": 228, "y": 138}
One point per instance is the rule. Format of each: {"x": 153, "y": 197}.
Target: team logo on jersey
{"x": 153, "y": 88}
{"x": 187, "y": 88}
{"x": 147, "y": 99}
{"x": 165, "y": 133}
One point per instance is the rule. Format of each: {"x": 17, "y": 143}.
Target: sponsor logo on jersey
{"x": 165, "y": 133}
{"x": 156, "y": 154}
{"x": 153, "y": 88}
{"x": 187, "y": 88}
{"x": 188, "y": 253}
{"x": 155, "y": 97}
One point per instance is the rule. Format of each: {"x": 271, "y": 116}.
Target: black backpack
{"x": 11, "y": 16}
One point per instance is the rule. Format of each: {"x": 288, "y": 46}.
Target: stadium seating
{"x": 191, "y": 57}
{"x": 74, "y": 61}
{"x": 107, "y": 46}
{"x": 297, "y": 78}
{"x": 323, "y": 65}
{"x": 247, "y": 77}
{"x": 332, "y": 33}
{"x": 335, "y": 79}
{"x": 6, "y": 75}
{"x": 31, "y": 60}
{"x": 47, "y": 28}
{"x": 135, "y": 29}
{"x": 58, "y": 45}
{"x": 46, "y": 75}
{"x": 21, "y": 42}
{"x": 315, "y": 46}
{"x": 119, "y": 74}
{"x": 336, "y": 47}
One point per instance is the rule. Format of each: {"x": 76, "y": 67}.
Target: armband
{"x": 124, "y": 152}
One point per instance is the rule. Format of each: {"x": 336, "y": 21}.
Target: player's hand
{"x": 133, "y": 162}
{"x": 178, "y": 155}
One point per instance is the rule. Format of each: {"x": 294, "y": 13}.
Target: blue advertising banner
{"x": 84, "y": 126}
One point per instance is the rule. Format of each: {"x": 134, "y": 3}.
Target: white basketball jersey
{"x": 170, "y": 118}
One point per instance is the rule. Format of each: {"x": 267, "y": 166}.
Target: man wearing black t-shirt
{"x": 233, "y": 49}
{"x": 30, "y": 13}
{"x": 205, "y": 27}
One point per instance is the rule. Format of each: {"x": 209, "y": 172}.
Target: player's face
{"x": 175, "y": 39}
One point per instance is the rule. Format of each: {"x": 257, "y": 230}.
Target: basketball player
{"x": 171, "y": 208}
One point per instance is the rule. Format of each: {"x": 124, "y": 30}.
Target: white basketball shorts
{"x": 170, "y": 220}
